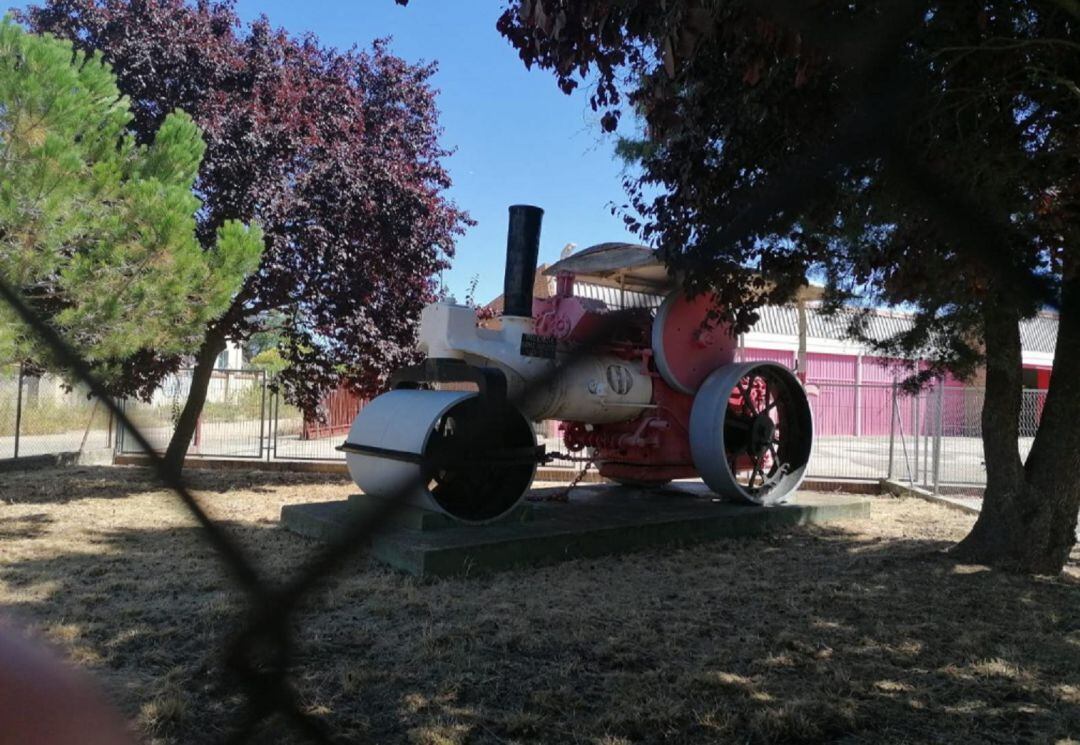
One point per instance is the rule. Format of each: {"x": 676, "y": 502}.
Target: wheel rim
{"x": 751, "y": 432}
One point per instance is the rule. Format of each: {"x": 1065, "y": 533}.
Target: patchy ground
{"x": 860, "y": 632}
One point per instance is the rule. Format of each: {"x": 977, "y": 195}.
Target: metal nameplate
{"x": 533, "y": 345}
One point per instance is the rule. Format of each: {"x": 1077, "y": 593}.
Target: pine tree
{"x": 96, "y": 231}
{"x": 335, "y": 153}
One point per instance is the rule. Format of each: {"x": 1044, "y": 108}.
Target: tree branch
{"x": 1072, "y": 7}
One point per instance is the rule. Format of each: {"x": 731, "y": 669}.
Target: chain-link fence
{"x": 244, "y": 417}
{"x": 937, "y": 437}
{"x": 863, "y": 431}
{"x": 234, "y": 422}
{"x": 10, "y": 405}
{"x": 45, "y": 415}
{"x": 930, "y": 437}
{"x": 851, "y": 427}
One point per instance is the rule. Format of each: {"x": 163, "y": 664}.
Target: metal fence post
{"x": 924, "y": 441}
{"x": 18, "y": 410}
{"x": 928, "y": 429}
{"x": 275, "y": 413}
{"x": 894, "y": 411}
{"x": 121, "y": 433}
{"x": 903, "y": 438}
{"x": 264, "y": 435}
{"x": 938, "y": 434}
{"x": 916, "y": 433}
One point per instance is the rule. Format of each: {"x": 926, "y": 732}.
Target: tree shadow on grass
{"x": 808, "y": 634}
{"x": 24, "y": 526}
{"x": 71, "y": 484}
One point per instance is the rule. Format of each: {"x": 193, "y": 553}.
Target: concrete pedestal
{"x": 598, "y": 520}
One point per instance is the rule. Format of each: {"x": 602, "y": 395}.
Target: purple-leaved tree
{"x": 335, "y": 154}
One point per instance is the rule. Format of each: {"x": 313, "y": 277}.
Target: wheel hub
{"x": 761, "y": 434}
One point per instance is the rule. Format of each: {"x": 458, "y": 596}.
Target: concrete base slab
{"x": 598, "y": 521}
{"x": 970, "y": 505}
{"x": 38, "y": 462}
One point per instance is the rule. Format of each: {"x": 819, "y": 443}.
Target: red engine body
{"x": 654, "y": 447}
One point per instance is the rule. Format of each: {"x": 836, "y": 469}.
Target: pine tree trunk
{"x": 1053, "y": 467}
{"x": 1000, "y": 531}
{"x": 212, "y": 346}
{"x": 1029, "y": 512}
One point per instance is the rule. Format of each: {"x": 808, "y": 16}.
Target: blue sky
{"x": 518, "y": 138}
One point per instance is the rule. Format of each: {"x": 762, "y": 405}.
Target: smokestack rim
{"x": 528, "y": 207}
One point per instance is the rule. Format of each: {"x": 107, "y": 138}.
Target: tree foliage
{"x": 334, "y": 153}
{"x": 913, "y": 152}
{"x": 97, "y": 231}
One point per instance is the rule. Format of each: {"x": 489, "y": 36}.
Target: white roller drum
{"x": 427, "y": 424}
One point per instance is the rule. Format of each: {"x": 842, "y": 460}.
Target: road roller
{"x": 649, "y": 394}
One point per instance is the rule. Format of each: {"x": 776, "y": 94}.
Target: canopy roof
{"x": 634, "y": 268}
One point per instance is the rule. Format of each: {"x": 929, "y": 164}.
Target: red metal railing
{"x": 338, "y": 409}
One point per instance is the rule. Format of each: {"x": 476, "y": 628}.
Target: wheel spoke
{"x": 775, "y": 460}
{"x": 763, "y": 389}
{"x": 757, "y": 470}
{"x": 744, "y": 393}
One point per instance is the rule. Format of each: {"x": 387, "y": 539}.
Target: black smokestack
{"x": 522, "y": 250}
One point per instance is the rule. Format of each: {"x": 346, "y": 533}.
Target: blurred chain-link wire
{"x": 261, "y": 655}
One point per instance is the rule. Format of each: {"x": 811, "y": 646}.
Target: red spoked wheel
{"x": 751, "y": 432}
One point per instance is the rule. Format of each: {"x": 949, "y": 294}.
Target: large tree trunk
{"x": 1029, "y": 512}
{"x": 1053, "y": 467}
{"x": 1000, "y": 531}
{"x": 212, "y": 346}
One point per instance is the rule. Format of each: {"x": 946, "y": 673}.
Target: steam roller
{"x": 647, "y": 395}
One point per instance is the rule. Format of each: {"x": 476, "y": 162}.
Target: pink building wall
{"x": 853, "y": 396}
{"x": 848, "y": 396}
{"x": 766, "y": 355}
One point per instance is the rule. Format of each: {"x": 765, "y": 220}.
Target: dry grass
{"x": 861, "y": 632}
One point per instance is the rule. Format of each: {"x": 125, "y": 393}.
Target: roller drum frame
{"x": 453, "y": 452}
